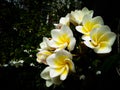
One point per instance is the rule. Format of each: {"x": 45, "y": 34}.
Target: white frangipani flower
{"x": 60, "y": 64}
{"x": 63, "y": 38}
{"x": 102, "y": 39}
{"x": 76, "y": 16}
{"x": 88, "y": 25}
{"x": 58, "y": 51}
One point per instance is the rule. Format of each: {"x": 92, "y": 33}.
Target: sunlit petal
{"x": 56, "y": 71}
{"x": 64, "y": 73}
{"x": 86, "y": 37}
{"x": 103, "y": 48}
{"x": 70, "y": 64}
{"x": 65, "y": 20}
{"x": 100, "y": 32}
{"x": 98, "y": 19}
{"x": 88, "y": 44}
{"x": 86, "y": 11}
{"x": 72, "y": 44}
{"x": 79, "y": 29}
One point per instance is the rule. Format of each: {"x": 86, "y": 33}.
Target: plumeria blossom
{"x": 102, "y": 39}
{"x": 63, "y": 38}
{"x": 88, "y": 24}
{"x": 76, "y": 16}
{"x": 60, "y": 64}
{"x": 45, "y": 74}
{"x": 59, "y": 52}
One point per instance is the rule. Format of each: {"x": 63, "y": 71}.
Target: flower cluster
{"x": 56, "y": 52}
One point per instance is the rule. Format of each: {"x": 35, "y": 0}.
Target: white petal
{"x": 86, "y": 37}
{"x": 70, "y": 64}
{"x": 98, "y": 20}
{"x": 62, "y": 46}
{"x": 72, "y": 44}
{"x": 43, "y": 44}
{"x": 103, "y": 33}
{"x": 67, "y": 30}
{"x": 54, "y": 72}
{"x": 49, "y": 83}
{"x": 64, "y": 73}
{"x": 51, "y": 61}
{"x": 109, "y": 37}
{"x": 64, "y": 53}
{"x": 52, "y": 44}
{"x": 112, "y": 38}
{"x": 86, "y": 11}
{"x": 79, "y": 29}
{"x": 87, "y": 18}
{"x": 64, "y": 21}
{"x": 45, "y": 73}
{"x": 97, "y": 33}
{"x": 55, "y": 34}
{"x": 88, "y": 44}
{"x": 103, "y": 50}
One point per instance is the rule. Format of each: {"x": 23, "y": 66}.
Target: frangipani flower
{"x": 76, "y": 16}
{"x": 56, "y": 52}
{"x": 102, "y": 39}
{"x": 60, "y": 64}
{"x": 62, "y": 38}
{"x": 45, "y": 74}
{"x": 88, "y": 24}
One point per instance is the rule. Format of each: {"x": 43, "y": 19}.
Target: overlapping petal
{"x": 45, "y": 44}
{"x": 42, "y": 55}
{"x": 60, "y": 63}
{"x": 56, "y": 51}
{"x": 102, "y": 39}
{"x": 76, "y": 16}
{"x": 65, "y": 20}
{"x": 45, "y": 74}
{"x": 63, "y": 38}
{"x": 88, "y": 25}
